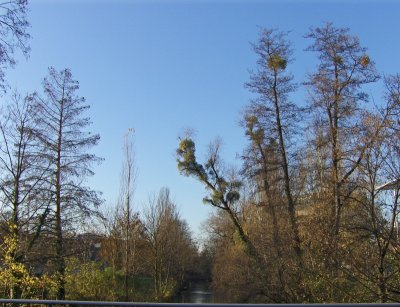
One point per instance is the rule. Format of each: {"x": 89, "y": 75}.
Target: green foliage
{"x": 365, "y": 60}
{"x": 222, "y": 191}
{"x": 86, "y": 281}
{"x": 187, "y": 164}
{"x": 232, "y": 196}
{"x": 338, "y": 60}
{"x": 276, "y": 62}
{"x": 253, "y": 129}
{"x": 89, "y": 281}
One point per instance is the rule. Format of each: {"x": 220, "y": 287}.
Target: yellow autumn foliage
{"x": 15, "y": 275}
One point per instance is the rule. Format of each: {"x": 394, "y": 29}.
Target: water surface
{"x": 196, "y": 293}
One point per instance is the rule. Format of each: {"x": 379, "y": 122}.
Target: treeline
{"x": 312, "y": 213}
{"x": 55, "y": 243}
{"x": 149, "y": 256}
{"x": 43, "y": 160}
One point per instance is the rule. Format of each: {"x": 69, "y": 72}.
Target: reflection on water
{"x": 197, "y": 293}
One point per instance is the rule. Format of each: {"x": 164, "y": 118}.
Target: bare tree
{"x": 128, "y": 179}
{"x": 372, "y": 236}
{"x": 123, "y": 226}
{"x": 172, "y": 249}
{"x": 348, "y": 152}
{"x": 271, "y": 121}
{"x": 336, "y": 95}
{"x": 22, "y": 206}
{"x": 64, "y": 135}
{"x": 13, "y": 34}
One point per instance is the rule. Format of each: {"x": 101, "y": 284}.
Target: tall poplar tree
{"x": 128, "y": 177}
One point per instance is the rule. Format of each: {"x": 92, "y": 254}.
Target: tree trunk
{"x": 60, "y": 262}
{"x": 285, "y": 167}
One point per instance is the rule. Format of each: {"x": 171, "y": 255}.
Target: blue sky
{"x": 163, "y": 66}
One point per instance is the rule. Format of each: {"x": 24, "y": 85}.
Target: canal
{"x": 196, "y": 293}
